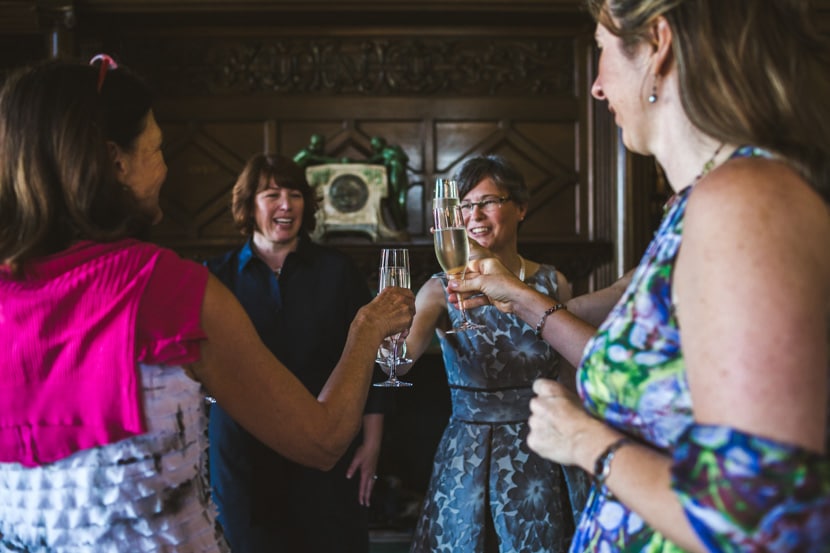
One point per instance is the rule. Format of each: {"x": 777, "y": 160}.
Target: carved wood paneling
{"x": 355, "y": 65}
{"x": 441, "y": 98}
{"x": 246, "y": 77}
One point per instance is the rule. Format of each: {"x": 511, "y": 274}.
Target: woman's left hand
{"x": 560, "y": 428}
{"x": 366, "y": 462}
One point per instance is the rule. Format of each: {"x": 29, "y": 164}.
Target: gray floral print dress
{"x": 484, "y": 475}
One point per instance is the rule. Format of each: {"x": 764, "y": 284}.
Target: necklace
{"x": 710, "y": 164}
{"x": 521, "y": 268}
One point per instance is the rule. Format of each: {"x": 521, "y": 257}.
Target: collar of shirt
{"x": 302, "y": 253}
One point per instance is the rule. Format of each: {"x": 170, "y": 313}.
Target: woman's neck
{"x": 509, "y": 256}
{"x": 684, "y": 152}
{"x": 273, "y": 253}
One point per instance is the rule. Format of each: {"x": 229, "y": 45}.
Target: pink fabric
{"x": 71, "y": 333}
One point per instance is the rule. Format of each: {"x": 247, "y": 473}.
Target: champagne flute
{"x": 452, "y": 248}
{"x": 446, "y": 193}
{"x": 394, "y": 271}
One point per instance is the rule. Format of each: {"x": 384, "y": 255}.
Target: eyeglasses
{"x": 488, "y": 205}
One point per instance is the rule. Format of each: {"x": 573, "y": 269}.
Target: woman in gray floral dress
{"x": 488, "y": 491}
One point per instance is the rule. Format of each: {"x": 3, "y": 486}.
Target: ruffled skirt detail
{"x": 142, "y": 494}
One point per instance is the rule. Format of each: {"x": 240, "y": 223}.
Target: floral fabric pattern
{"x": 786, "y": 491}
{"x": 633, "y": 376}
{"x": 483, "y": 467}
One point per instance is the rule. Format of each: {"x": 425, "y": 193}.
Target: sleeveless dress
{"x": 740, "y": 492}
{"x": 483, "y": 467}
{"x": 126, "y": 313}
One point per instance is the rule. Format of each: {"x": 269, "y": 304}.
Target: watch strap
{"x": 602, "y": 466}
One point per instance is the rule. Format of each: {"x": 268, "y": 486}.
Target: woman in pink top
{"x": 108, "y": 344}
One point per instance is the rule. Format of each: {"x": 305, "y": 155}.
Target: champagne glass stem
{"x": 393, "y": 362}
{"x": 461, "y": 301}
{"x": 466, "y": 323}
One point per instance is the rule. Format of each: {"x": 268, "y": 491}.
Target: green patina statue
{"x": 395, "y": 160}
{"x": 314, "y": 153}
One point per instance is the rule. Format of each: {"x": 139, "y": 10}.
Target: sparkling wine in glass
{"x": 452, "y": 248}
{"x": 393, "y": 271}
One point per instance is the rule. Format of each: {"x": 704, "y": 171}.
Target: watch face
{"x": 348, "y": 193}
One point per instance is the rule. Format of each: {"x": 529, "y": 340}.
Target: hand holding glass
{"x": 393, "y": 271}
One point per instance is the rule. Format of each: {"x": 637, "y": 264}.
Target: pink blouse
{"x": 71, "y": 333}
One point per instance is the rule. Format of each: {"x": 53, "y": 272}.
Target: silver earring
{"x": 652, "y": 98}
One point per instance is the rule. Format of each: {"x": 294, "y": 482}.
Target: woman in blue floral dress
{"x": 488, "y": 491}
{"x": 703, "y": 397}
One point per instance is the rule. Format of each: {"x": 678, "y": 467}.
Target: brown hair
{"x": 751, "y": 72}
{"x": 256, "y": 175}
{"x": 503, "y": 173}
{"x": 57, "y": 180}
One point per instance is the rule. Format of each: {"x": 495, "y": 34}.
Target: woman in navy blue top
{"x": 301, "y": 297}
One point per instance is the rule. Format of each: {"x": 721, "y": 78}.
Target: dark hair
{"x": 255, "y": 177}
{"x": 503, "y": 173}
{"x": 751, "y": 72}
{"x": 57, "y": 179}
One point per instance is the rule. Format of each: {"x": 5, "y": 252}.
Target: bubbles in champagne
{"x": 452, "y": 249}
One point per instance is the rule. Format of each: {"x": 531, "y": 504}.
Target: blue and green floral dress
{"x": 740, "y": 492}
{"x": 484, "y": 475}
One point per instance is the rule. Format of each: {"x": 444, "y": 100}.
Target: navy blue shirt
{"x": 266, "y": 502}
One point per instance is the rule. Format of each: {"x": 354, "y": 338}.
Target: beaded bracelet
{"x": 552, "y": 309}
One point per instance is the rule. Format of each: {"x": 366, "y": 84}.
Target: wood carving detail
{"x": 360, "y": 66}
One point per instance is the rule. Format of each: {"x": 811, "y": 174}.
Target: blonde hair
{"x": 751, "y": 72}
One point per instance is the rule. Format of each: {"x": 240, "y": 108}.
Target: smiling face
{"x": 142, "y": 169}
{"x": 493, "y": 227}
{"x": 278, "y": 213}
{"x": 624, "y": 81}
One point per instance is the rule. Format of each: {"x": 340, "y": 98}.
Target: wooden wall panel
{"x": 444, "y": 80}
{"x": 442, "y": 94}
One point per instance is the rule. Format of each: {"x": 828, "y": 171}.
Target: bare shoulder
{"x": 769, "y": 190}
{"x": 762, "y": 202}
{"x": 563, "y": 285}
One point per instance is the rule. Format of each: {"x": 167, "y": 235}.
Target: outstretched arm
{"x": 566, "y": 332}
{"x": 593, "y": 308}
{"x": 567, "y": 370}
{"x": 430, "y": 314}
{"x": 259, "y": 392}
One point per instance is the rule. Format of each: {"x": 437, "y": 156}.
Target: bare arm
{"x": 264, "y": 397}
{"x": 755, "y": 314}
{"x": 566, "y": 332}
{"x": 567, "y": 370}
{"x": 430, "y": 314}
{"x": 593, "y": 308}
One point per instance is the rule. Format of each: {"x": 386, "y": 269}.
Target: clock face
{"x": 348, "y": 193}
